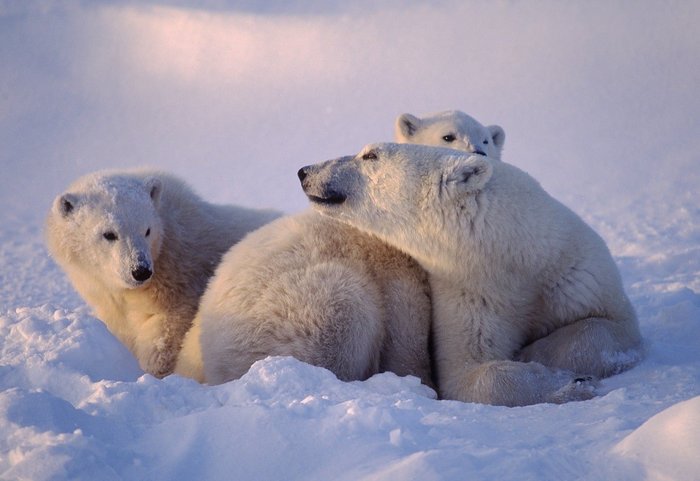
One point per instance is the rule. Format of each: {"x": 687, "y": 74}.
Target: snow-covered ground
{"x": 599, "y": 101}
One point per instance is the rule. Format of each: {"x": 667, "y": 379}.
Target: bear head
{"x": 452, "y": 129}
{"x": 108, "y": 227}
{"x": 411, "y": 196}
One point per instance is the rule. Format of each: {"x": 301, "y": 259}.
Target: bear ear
{"x": 154, "y": 187}
{"x": 469, "y": 175}
{"x": 498, "y": 135}
{"x": 65, "y": 204}
{"x": 406, "y": 126}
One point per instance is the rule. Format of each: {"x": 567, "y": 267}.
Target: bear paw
{"x": 159, "y": 360}
{"x": 581, "y": 388}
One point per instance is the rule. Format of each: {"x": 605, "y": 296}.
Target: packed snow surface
{"x": 599, "y": 102}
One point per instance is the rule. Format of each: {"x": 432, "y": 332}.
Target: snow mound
{"x": 668, "y": 444}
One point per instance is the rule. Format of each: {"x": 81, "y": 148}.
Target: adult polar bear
{"x": 526, "y": 296}
{"x": 139, "y": 247}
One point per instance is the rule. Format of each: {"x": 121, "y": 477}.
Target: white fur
{"x": 452, "y": 129}
{"x": 313, "y": 288}
{"x": 527, "y": 299}
{"x": 139, "y": 247}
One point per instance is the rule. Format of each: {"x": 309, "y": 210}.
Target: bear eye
{"x": 110, "y": 236}
{"x": 449, "y": 138}
{"x": 486, "y": 142}
{"x": 148, "y": 232}
{"x": 369, "y": 156}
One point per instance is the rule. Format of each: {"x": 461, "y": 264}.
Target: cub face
{"x": 111, "y": 229}
{"x": 412, "y": 196}
{"x": 451, "y": 129}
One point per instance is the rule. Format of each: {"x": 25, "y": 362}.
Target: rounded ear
{"x": 470, "y": 175}
{"x": 406, "y": 126}
{"x": 65, "y": 204}
{"x": 498, "y": 135}
{"x": 154, "y": 187}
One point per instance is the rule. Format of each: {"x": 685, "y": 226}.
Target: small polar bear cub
{"x": 526, "y": 296}
{"x": 452, "y": 129}
{"x": 139, "y": 247}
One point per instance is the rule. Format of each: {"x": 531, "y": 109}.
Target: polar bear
{"x": 139, "y": 247}
{"x": 310, "y": 287}
{"x": 527, "y": 300}
{"x": 453, "y": 129}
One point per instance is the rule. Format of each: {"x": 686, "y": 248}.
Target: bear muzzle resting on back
{"x": 528, "y": 304}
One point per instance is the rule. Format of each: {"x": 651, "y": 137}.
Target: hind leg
{"x": 596, "y": 330}
{"x": 326, "y": 314}
{"x": 406, "y": 349}
{"x": 594, "y": 346}
{"x": 346, "y": 306}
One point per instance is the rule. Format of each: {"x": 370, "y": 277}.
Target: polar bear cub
{"x": 526, "y": 297}
{"x": 311, "y": 287}
{"x": 139, "y": 247}
{"x": 452, "y": 129}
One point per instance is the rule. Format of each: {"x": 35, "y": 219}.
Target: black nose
{"x": 302, "y": 173}
{"x": 480, "y": 152}
{"x": 141, "y": 273}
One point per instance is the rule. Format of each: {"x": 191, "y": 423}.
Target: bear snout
{"x": 142, "y": 273}
{"x": 317, "y": 191}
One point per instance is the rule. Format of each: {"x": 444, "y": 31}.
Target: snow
{"x": 667, "y": 443}
{"x": 599, "y": 102}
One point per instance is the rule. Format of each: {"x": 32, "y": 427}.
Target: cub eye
{"x": 148, "y": 232}
{"x": 369, "y": 156}
{"x": 110, "y": 236}
{"x": 449, "y": 138}
{"x": 486, "y": 142}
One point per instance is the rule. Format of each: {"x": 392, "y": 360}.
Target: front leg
{"x": 512, "y": 383}
{"x": 189, "y": 359}
{"x": 157, "y": 344}
{"x": 504, "y": 382}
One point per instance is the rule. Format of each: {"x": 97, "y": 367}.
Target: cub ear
{"x": 406, "y": 126}
{"x": 64, "y": 205}
{"x": 154, "y": 187}
{"x": 470, "y": 175}
{"x": 498, "y": 135}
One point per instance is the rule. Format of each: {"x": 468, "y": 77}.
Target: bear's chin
{"x": 331, "y": 199}
{"x": 133, "y": 283}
